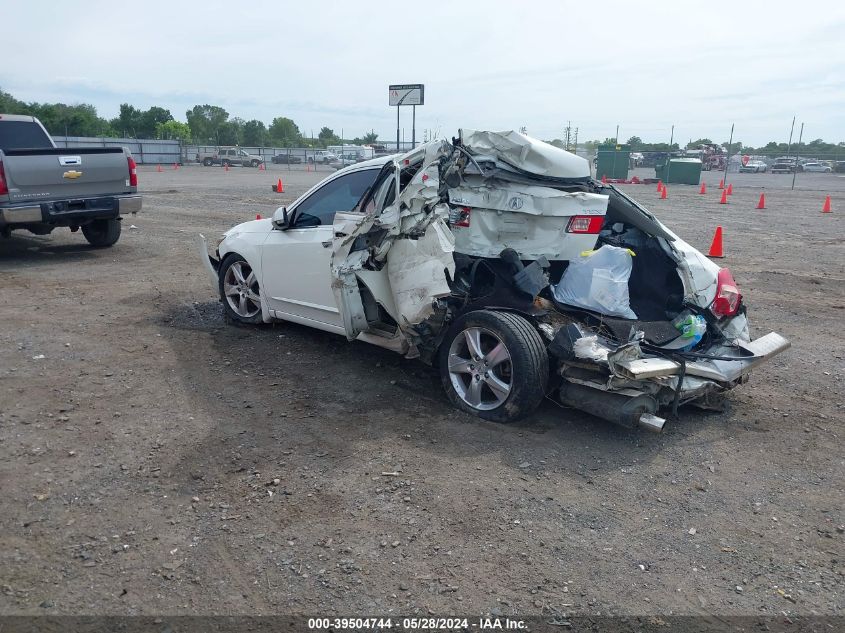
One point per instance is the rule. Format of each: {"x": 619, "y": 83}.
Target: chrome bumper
{"x": 21, "y": 215}
{"x": 129, "y": 204}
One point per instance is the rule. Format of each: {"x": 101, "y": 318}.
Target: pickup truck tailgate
{"x": 65, "y": 173}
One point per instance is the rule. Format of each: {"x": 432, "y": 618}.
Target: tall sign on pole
{"x": 406, "y": 95}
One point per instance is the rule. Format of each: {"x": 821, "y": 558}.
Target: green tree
{"x": 369, "y": 138}
{"x": 255, "y": 134}
{"x": 697, "y": 143}
{"x": 635, "y": 142}
{"x": 205, "y": 122}
{"x": 173, "y": 130}
{"x": 231, "y": 132}
{"x": 285, "y": 133}
{"x": 128, "y": 121}
{"x": 327, "y": 137}
{"x": 150, "y": 120}
{"x": 10, "y": 105}
{"x": 73, "y": 120}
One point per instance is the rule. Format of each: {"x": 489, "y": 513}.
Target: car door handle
{"x": 326, "y": 244}
{"x": 339, "y": 234}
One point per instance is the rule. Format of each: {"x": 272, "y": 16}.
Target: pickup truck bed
{"x": 45, "y": 187}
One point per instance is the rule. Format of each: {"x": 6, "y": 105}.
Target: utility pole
{"x": 795, "y": 170}
{"x": 728, "y": 158}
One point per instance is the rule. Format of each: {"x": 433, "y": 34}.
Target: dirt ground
{"x": 155, "y": 460}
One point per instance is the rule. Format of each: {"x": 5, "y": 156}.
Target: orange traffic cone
{"x": 225, "y": 166}
{"x": 604, "y": 179}
{"x": 703, "y": 189}
{"x": 722, "y": 184}
{"x": 175, "y": 165}
{"x": 158, "y": 169}
{"x": 716, "y": 245}
{"x": 663, "y": 193}
{"x": 280, "y": 187}
{"x": 762, "y": 203}
{"x": 826, "y": 206}
{"x": 659, "y": 186}
{"x": 261, "y": 167}
{"x": 730, "y": 189}
{"x": 724, "y": 199}
{"x": 257, "y": 216}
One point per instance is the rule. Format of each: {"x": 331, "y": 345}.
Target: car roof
{"x": 379, "y": 161}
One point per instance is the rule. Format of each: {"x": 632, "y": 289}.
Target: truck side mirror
{"x": 281, "y": 220}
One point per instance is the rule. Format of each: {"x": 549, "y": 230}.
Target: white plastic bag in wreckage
{"x": 598, "y": 281}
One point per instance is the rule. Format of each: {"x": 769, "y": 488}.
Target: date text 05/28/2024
{"x": 416, "y": 624}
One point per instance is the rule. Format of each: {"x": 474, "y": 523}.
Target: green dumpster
{"x": 682, "y": 171}
{"x": 612, "y": 161}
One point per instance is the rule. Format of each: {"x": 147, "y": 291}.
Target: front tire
{"x": 494, "y": 365}
{"x": 102, "y": 233}
{"x": 207, "y": 162}
{"x": 239, "y": 290}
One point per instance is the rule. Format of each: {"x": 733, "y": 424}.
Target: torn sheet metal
{"x": 417, "y": 272}
{"x": 526, "y": 154}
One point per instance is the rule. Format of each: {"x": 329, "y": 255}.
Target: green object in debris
{"x": 681, "y": 171}
{"x": 612, "y": 161}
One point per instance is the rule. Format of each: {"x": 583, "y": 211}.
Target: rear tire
{"x": 102, "y": 233}
{"x": 494, "y": 365}
{"x": 207, "y": 162}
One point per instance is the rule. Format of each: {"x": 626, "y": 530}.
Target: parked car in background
{"x": 43, "y": 187}
{"x": 322, "y": 156}
{"x": 813, "y": 166}
{"x": 785, "y": 166}
{"x": 461, "y": 253}
{"x": 753, "y": 167}
{"x": 286, "y": 159}
{"x": 229, "y": 156}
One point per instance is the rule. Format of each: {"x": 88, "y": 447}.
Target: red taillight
{"x": 133, "y": 172}
{"x": 728, "y": 297}
{"x": 463, "y": 217}
{"x": 585, "y": 224}
{"x": 4, "y": 188}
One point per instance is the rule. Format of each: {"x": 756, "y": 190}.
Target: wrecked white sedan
{"x": 497, "y": 258}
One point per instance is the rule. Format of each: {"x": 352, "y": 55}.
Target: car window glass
{"x": 341, "y": 194}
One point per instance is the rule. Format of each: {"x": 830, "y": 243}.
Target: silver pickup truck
{"x": 42, "y": 186}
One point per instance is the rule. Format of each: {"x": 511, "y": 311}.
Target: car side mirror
{"x": 281, "y": 220}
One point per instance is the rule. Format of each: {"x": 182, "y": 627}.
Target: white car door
{"x": 295, "y": 263}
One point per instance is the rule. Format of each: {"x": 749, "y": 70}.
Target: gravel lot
{"x": 155, "y": 460}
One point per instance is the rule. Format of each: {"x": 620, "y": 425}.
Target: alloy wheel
{"x": 480, "y": 368}
{"x": 240, "y": 287}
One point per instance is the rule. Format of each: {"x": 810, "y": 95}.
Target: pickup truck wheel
{"x": 255, "y": 163}
{"x": 239, "y": 290}
{"x": 494, "y": 365}
{"x": 101, "y": 233}
{"x": 207, "y": 162}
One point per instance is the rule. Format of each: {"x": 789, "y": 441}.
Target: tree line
{"x": 817, "y": 147}
{"x": 206, "y": 125}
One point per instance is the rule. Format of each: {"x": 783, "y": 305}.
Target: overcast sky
{"x": 493, "y": 64}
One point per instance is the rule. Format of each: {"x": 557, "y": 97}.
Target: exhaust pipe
{"x": 626, "y": 411}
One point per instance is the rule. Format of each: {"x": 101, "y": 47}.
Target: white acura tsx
{"x": 498, "y": 259}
